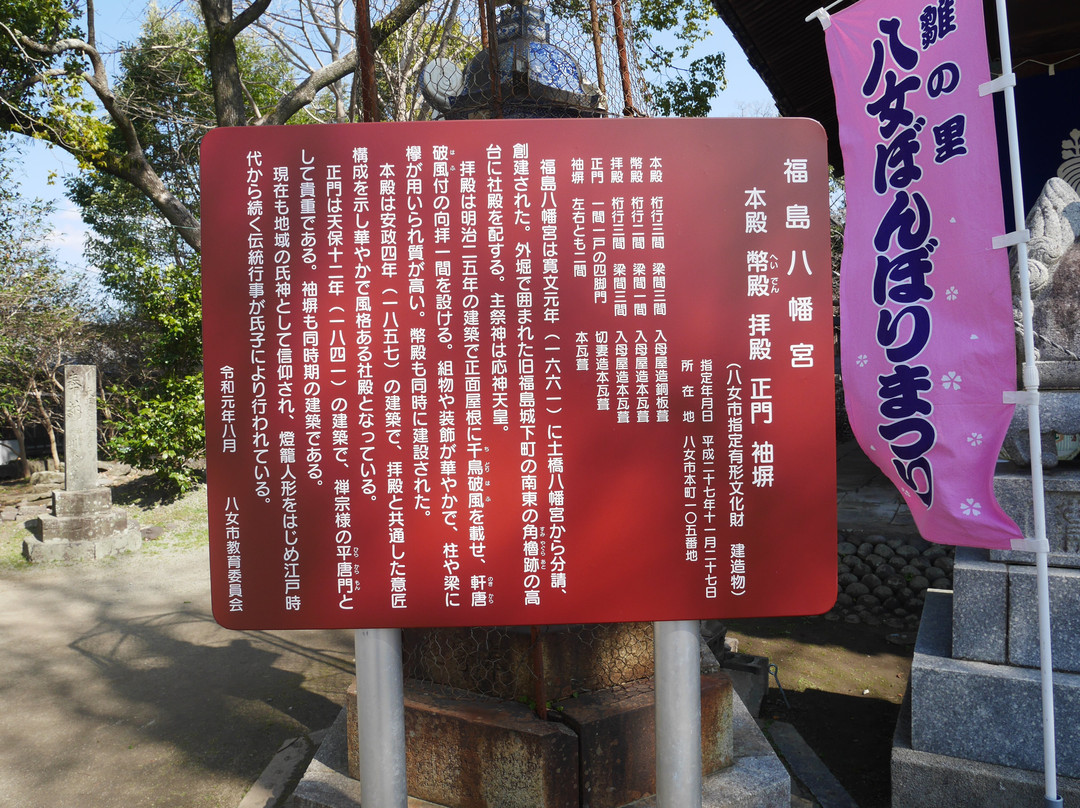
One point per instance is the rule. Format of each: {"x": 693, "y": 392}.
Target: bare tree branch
{"x": 305, "y": 92}
{"x": 132, "y": 166}
{"x": 232, "y": 98}
{"x": 248, "y": 16}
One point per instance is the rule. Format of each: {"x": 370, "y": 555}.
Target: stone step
{"x": 925, "y": 780}
{"x": 984, "y": 712}
{"x": 89, "y": 527}
{"x": 995, "y": 616}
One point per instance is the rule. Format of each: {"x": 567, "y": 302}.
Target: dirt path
{"x": 116, "y": 681}
{"x": 120, "y": 691}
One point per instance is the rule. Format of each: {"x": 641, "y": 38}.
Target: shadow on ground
{"x": 146, "y": 492}
{"x": 852, "y": 735}
{"x": 843, "y": 686}
{"x": 124, "y": 692}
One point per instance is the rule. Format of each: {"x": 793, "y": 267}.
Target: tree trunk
{"x": 223, "y": 63}
{"x": 46, "y": 421}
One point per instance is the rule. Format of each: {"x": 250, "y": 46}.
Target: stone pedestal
{"x": 83, "y": 523}
{"x": 500, "y": 662}
{"x": 468, "y": 752}
{"x": 1059, "y": 414}
{"x": 597, "y": 750}
{"x": 972, "y": 732}
{"x": 82, "y": 526}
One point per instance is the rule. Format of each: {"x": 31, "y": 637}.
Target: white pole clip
{"x": 1012, "y": 239}
{"x": 1021, "y": 398}
{"x": 998, "y": 85}
{"x": 1031, "y": 545}
{"x": 822, "y": 16}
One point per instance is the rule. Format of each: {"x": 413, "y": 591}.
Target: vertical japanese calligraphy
{"x": 926, "y": 321}
{"x": 510, "y": 372}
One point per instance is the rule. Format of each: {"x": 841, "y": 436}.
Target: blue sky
{"x": 118, "y": 21}
{"x": 41, "y": 169}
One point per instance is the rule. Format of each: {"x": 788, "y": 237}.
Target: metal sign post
{"x": 678, "y": 714}
{"x": 380, "y": 711}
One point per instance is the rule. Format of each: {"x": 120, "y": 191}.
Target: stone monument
{"x": 83, "y": 523}
{"x": 971, "y": 730}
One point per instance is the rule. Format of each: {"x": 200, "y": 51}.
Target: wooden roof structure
{"x": 789, "y": 53}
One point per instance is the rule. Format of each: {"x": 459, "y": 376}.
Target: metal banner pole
{"x": 380, "y": 711}
{"x": 1031, "y": 388}
{"x": 678, "y": 714}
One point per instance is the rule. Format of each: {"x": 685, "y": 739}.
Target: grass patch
{"x": 182, "y": 520}
{"x": 11, "y": 542}
{"x": 12, "y": 533}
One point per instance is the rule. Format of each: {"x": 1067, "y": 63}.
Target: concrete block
{"x": 1024, "y": 618}
{"x": 926, "y": 780}
{"x": 616, "y": 729}
{"x": 980, "y": 607}
{"x": 1059, "y": 414}
{"x": 983, "y": 712}
{"x": 326, "y": 783}
{"x": 36, "y": 550}
{"x": 617, "y": 735}
{"x": 88, "y": 527}
{"x": 1055, "y": 374}
{"x": 756, "y": 778}
{"x": 474, "y": 752}
{"x": 750, "y": 677}
{"x": 283, "y": 768}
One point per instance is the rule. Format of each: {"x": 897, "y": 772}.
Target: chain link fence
{"x": 477, "y": 60}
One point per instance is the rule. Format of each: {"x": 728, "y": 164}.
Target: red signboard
{"x": 518, "y": 372}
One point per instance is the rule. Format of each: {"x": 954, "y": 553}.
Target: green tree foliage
{"x": 136, "y": 136}
{"x": 43, "y": 318}
{"x": 678, "y": 89}
{"x": 146, "y": 265}
{"x": 20, "y": 71}
{"x": 161, "y": 427}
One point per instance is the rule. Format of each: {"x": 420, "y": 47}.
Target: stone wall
{"x": 884, "y": 580}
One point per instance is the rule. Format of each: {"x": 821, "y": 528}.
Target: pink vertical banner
{"x": 926, "y": 324}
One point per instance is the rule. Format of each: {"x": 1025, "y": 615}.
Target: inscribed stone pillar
{"x": 80, "y": 427}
